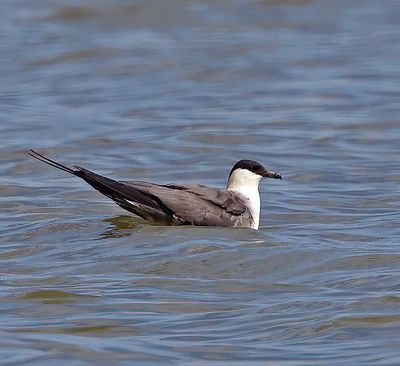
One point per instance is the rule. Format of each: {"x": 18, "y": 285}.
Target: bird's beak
{"x": 269, "y": 174}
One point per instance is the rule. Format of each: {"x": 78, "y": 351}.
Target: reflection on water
{"x": 171, "y": 91}
{"x": 121, "y": 226}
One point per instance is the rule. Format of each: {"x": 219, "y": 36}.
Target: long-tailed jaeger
{"x": 184, "y": 204}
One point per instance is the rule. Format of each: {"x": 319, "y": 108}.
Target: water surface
{"x": 172, "y": 91}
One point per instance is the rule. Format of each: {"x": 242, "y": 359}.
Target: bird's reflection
{"x": 121, "y": 226}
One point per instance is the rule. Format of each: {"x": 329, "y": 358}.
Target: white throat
{"x": 245, "y": 182}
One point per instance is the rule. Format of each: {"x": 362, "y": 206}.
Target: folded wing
{"x": 197, "y": 204}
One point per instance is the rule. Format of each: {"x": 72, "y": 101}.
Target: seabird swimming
{"x": 184, "y": 204}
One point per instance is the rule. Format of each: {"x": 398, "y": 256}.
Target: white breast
{"x": 254, "y": 204}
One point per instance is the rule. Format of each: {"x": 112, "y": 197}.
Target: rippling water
{"x": 173, "y": 91}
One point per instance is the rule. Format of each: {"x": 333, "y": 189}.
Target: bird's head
{"x": 248, "y": 173}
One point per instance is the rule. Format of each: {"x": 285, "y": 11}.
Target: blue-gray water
{"x": 177, "y": 91}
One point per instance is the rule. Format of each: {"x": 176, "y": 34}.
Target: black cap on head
{"x": 255, "y": 167}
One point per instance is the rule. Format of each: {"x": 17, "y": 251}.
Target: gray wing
{"x": 198, "y": 205}
{"x": 229, "y": 201}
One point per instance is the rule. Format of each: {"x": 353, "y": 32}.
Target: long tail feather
{"x": 140, "y": 203}
{"x": 53, "y": 163}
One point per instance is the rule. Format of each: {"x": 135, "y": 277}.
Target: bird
{"x": 184, "y": 204}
